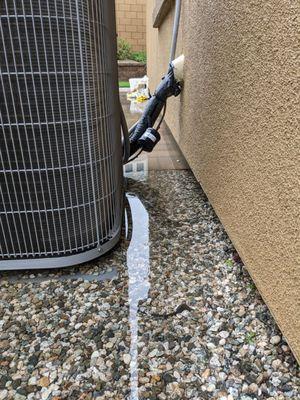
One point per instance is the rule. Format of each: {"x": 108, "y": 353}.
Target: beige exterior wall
{"x": 237, "y": 122}
{"x": 131, "y": 22}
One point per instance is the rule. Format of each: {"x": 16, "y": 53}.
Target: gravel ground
{"x": 173, "y": 315}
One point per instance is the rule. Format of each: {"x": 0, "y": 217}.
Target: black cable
{"x": 132, "y": 159}
{"x": 163, "y": 117}
{"x": 158, "y": 127}
{"x": 126, "y": 142}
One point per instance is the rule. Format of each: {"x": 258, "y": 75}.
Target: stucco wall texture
{"x": 237, "y": 122}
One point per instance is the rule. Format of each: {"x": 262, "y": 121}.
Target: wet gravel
{"x": 203, "y": 331}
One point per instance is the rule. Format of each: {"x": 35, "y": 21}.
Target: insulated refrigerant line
{"x": 142, "y": 136}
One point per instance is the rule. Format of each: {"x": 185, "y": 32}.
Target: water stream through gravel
{"x": 138, "y": 264}
{"x": 138, "y": 254}
{"x": 167, "y": 315}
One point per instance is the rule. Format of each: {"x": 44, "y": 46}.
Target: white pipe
{"x": 178, "y": 65}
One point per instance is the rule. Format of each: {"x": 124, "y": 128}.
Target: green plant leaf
{"x": 124, "y": 50}
{"x": 229, "y": 263}
{"x": 124, "y": 84}
{"x": 250, "y": 337}
{"x": 139, "y": 56}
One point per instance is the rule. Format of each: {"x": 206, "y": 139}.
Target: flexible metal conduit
{"x": 175, "y": 30}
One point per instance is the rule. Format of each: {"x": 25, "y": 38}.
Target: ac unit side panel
{"x": 60, "y": 145}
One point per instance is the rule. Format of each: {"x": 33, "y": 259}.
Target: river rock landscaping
{"x": 204, "y": 332}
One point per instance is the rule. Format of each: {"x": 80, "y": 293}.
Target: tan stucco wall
{"x": 131, "y": 22}
{"x": 237, "y": 123}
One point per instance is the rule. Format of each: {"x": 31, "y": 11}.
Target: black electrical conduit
{"x": 168, "y": 87}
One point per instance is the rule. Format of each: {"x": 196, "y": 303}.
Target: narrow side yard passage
{"x": 174, "y": 317}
